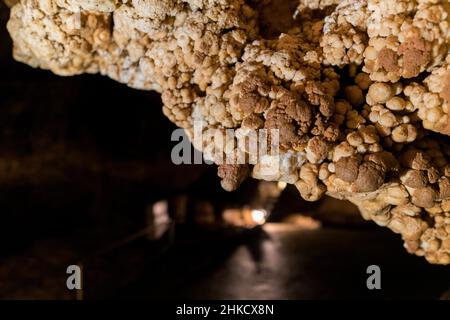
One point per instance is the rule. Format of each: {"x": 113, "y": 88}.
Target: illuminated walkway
{"x": 288, "y": 262}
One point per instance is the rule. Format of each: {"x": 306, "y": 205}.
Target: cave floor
{"x": 289, "y": 262}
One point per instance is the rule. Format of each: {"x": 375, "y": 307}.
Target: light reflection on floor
{"x": 253, "y": 265}
{"x": 286, "y": 261}
{"x": 291, "y": 262}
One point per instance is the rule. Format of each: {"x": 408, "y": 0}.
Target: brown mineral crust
{"x": 318, "y": 96}
{"x": 385, "y": 160}
{"x": 388, "y": 60}
{"x": 347, "y": 168}
{"x": 298, "y": 110}
{"x": 370, "y": 177}
{"x": 445, "y": 93}
{"x": 278, "y": 119}
{"x": 253, "y": 121}
{"x": 415, "y": 159}
{"x": 319, "y": 147}
{"x": 391, "y": 39}
{"x": 330, "y": 132}
{"x": 416, "y": 54}
{"x": 444, "y": 188}
{"x": 415, "y": 179}
{"x": 433, "y": 174}
{"x": 248, "y": 103}
{"x": 424, "y": 197}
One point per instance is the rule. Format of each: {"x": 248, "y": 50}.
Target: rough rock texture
{"x": 390, "y": 39}
{"x": 432, "y": 99}
{"x": 341, "y": 82}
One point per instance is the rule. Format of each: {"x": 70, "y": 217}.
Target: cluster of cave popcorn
{"x": 359, "y": 90}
